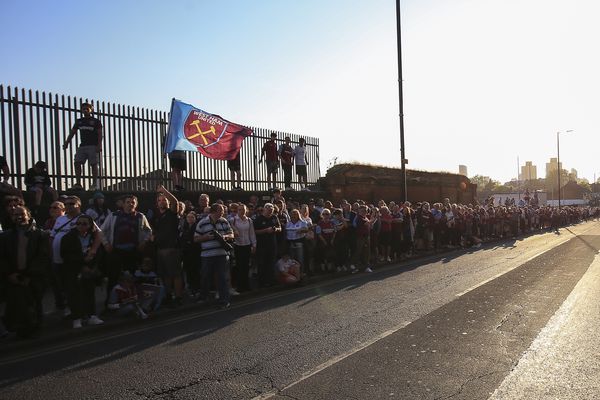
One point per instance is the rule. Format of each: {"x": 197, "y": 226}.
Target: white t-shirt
{"x": 62, "y": 226}
{"x": 299, "y": 155}
{"x": 285, "y": 265}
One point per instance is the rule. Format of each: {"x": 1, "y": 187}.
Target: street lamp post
{"x": 558, "y": 169}
{"x": 401, "y": 106}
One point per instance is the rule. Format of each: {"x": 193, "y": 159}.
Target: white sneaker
{"x": 94, "y": 320}
{"x": 389, "y": 259}
{"x": 77, "y": 323}
{"x": 368, "y": 270}
{"x": 142, "y": 314}
{"x": 66, "y": 312}
{"x": 233, "y": 292}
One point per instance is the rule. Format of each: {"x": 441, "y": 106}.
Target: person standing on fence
{"x": 178, "y": 161}
{"x": 269, "y": 152}
{"x": 235, "y": 170}
{"x": 90, "y": 146}
{"x": 286, "y": 154}
{"x": 5, "y": 187}
{"x": 37, "y": 181}
{"x": 301, "y": 163}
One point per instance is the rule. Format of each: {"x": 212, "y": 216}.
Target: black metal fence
{"x": 34, "y": 126}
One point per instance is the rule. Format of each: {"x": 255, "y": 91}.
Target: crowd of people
{"x": 178, "y": 252}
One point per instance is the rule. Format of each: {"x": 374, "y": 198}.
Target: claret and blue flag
{"x": 192, "y": 129}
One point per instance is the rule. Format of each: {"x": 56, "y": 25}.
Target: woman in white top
{"x": 295, "y": 231}
{"x": 244, "y": 246}
{"x": 309, "y": 239}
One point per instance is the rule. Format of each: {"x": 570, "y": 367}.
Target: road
{"x": 514, "y": 319}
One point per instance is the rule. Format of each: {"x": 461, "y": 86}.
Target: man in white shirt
{"x": 301, "y": 163}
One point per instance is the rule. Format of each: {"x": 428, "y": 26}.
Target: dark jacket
{"x": 38, "y": 253}
{"x": 33, "y": 177}
{"x": 73, "y": 254}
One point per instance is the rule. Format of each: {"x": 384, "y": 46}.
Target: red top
{"x": 386, "y": 222}
{"x": 270, "y": 150}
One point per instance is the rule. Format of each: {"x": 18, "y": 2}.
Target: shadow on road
{"x": 109, "y": 344}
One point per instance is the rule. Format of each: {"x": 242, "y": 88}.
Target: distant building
{"x": 552, "y": 166}
{"x": 462, "y": 170}
{"x": 574, "y": 173}
{"x": 528, "y": 172}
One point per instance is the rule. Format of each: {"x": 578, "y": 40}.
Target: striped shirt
{"x": 212, "y": 248}
{"x": 292, "y": 230}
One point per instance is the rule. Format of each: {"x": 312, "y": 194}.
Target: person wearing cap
{"x": 98, "y": 210}
{"x": 90, "y": 147}
{"x": 37, "y": 180}
{"x": 269, "y": 152}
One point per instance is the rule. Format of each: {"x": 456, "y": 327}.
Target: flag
{"x": 192, "y": 129}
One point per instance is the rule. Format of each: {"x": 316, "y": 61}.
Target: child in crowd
{"x": 288, "y": 270}
{"x": 150, "y": 289}
{"x": 124, "y": 299}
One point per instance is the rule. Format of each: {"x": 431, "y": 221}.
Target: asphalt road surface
{"x": 516, "y": 319}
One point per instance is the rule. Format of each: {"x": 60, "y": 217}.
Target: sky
{"x": 486, "y": 82}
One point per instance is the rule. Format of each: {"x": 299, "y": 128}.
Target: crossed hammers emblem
{"x": 202, "y": 133}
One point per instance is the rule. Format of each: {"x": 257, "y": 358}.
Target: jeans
{"x": 218, "y": 265}
{"x": 287, "y": 175}
{"x": 242, "y": 263}
{"x": 296, "y": 251}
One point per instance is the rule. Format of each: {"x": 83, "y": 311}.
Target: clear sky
{"x": 485, "y": 81}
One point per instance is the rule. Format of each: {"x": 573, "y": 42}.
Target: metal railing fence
{"x": 35, "y": 125}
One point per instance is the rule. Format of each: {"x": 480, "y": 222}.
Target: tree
{"x": 552, "y": 179}
{"x": 484, "y": 183}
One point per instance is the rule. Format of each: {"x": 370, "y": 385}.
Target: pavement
{"x": 563, "y": 362}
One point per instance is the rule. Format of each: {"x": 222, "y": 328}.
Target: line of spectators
{"x": 179, "y": 252}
